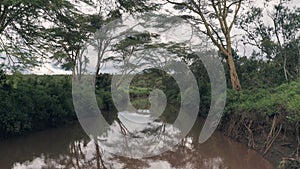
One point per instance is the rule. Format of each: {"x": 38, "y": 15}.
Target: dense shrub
{"x": 284, "y": 99}
{"x": 31, "y": 102}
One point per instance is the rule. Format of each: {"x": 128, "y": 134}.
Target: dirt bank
{"x": 274, "y": 137}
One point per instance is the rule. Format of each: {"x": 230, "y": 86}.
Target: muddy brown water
{"x": 70, "y": 147}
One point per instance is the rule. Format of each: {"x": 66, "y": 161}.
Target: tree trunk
{"x": 284, "y": 69}
{"x": 235, "y": 82}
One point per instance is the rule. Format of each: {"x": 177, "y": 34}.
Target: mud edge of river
{"x": 274, "y": 137}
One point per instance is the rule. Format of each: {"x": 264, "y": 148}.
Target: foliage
{"x": 141, "y": 103}
{"x": 22, "y": 28}
{"x": 67, "y": 43}
{"x": 278, "y": 40}
{"x": 216, "y": 19}
{"x": 133, "y": 6}
{"x": 258, "y": 73}
{"x": 261, "y": 102}
{"x": 33, "y": 103}
{"x": 139, "y": 91}
{"x": 30, "y": 102}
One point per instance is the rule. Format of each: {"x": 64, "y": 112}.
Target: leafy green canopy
{"x": 278, "y": 39}
{"x": 24, "y": 24}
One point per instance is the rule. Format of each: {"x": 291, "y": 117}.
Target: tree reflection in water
{"x": 218, "y": 152}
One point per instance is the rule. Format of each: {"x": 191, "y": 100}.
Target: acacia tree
{"x": 23, "y": 24}
{"x": 68, "y": 43}
{"x": 104, "y": 38}
{"x": 216, "y": 19}
{"x": 279, "y": 39}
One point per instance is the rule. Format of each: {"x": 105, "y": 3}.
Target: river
{"x": 70, "y": 147}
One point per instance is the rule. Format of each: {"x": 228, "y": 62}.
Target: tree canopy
{"x": 24, "y": 23}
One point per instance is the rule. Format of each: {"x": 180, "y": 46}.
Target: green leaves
{"x": 24, "y": 28}
{"x": 31, "y": 102}
{"x": 132, "y": 6}
{"x": 34, "y": 102}
{"x": 276, "y": 38}
{"x": 133, "y": 41}
{"x": 283, "y": 99}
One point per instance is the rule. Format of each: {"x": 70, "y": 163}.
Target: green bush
{"x": 284, "y": 99}
{"x": 31, "y": 102}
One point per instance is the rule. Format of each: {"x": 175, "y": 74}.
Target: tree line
{"x": 34, "y": 31}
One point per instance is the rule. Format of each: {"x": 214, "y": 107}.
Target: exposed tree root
{"x": 270, "y": 143}
{"x": 265, "y": 135}
{"x": 99, "y": 159}
{"x": 251, "y": 141}
{"x": 289, "y": 163}
{"x": 298, "y": 140}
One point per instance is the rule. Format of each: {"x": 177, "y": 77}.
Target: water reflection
{"x": 137, "y": 135}
{"x": 69, "y": 147}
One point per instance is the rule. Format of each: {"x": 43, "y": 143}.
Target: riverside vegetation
{"x": 266, "y": 118}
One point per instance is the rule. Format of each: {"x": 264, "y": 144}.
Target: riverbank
{"x": 266, "y": 121}
{"x": 268, "y": 137}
